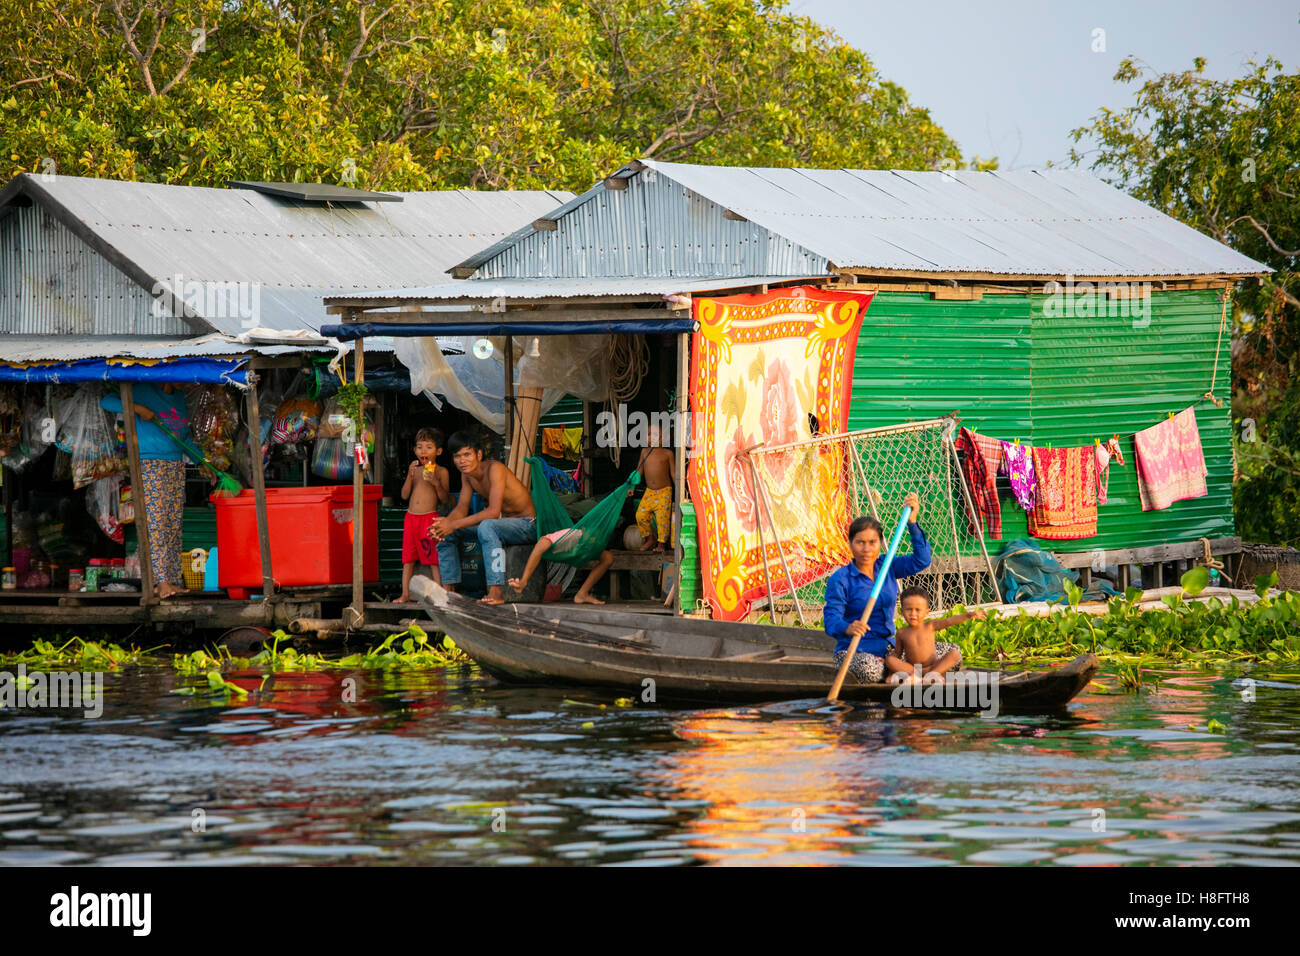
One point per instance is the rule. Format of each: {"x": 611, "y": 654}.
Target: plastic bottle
{"x": 10, "y": 579}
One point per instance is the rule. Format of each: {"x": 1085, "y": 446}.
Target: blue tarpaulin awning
{"x": 361, "y": 330}
{"x": 182, "y": 371}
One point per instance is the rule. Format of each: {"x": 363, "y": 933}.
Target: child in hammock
{"x": 565, "y": 540}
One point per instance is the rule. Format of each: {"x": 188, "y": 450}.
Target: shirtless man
{"x": 656, "y": 466}
{"x": 508, "y": 517}
{"x": 916, "y": 644}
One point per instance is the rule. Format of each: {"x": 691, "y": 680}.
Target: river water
{"x": 450, "y": 767}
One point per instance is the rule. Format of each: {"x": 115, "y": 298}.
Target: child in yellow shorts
{"x": 657, "y": 469}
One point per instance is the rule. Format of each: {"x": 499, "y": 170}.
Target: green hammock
{"x": 591, "y": 534}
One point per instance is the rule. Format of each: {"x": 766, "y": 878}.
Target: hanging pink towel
{"x": 1170, "y": 463}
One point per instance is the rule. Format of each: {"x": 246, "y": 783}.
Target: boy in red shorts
{"x": 428, "y": 489}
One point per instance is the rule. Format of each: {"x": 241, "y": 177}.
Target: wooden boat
{"x": 687, "y": 658}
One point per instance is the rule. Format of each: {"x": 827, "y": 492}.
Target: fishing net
{"x": 590, "y": 535}
{"x": 1028, "y": 573}
{"x": 809, "y": 491}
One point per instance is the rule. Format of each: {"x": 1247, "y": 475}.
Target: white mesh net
{"x": 810, "y": 491}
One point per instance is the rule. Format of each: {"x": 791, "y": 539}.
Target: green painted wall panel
{"x": 1024, "y": 367}
{"x": 1096, "y": 376}
{"x": 920, "y": 358}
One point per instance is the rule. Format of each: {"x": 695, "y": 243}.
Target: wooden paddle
{"x": 871, "y": 605}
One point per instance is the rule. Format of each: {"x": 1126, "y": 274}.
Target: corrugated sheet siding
{"x": 1095, "y": 376}
{"x": 919, "y": 358}
{"x": 655, "y": 227}
{"x": 52, "y": 283}
{"x": 1015, "y": 371}
{"x": 566, "y": 413}
{"x": 692, "y": 580}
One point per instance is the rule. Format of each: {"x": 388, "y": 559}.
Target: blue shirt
{"x": 848, "y": 589}
{"x": 155, "y": 444}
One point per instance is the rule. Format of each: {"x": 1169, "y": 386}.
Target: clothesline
{"x": 1060, "y": 489}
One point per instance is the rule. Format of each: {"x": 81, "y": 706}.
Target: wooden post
{"x": 7, "y": 477}
{"x": 259, "y": 489}
{"x": 358, "y": 616}
{"x": 510, "y": 399}
{"x": 137, "y": 496}
{"x": 681, "y": 411}
{"x": 377, "y": 462}
{"x": 588, "y": 443}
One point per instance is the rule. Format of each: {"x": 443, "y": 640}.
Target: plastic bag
{"x": 332, "y": 459}
{"x": 26, "y": 435}
{"x": 94, "y": 447}
{"x": 64, "y": 397}
{"x": 102, "y": 501}
{"x": 39, "y": 428}
{"x": 579, "y": 361}
{"x": 332, "y": 454}
{"x": 460, "y": 376}
{"x": 296, "y": 420}
{"x": 214, "y": 418}
{"x": 126, "y": 505}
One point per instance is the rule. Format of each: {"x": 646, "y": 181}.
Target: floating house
{"x": 1043, "y": 306}
{"x": 127, "y": 282}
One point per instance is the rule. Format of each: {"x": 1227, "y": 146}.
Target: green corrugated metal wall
{"x": 1116, "y": 374}
{"x": 1017, "y": 367}
{"x": 566, "y": 413}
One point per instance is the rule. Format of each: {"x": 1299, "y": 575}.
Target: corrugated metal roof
{"x": 60, "y": 348}
{"x": 1040, "y": 223}
{"x": 477, "y": 289}
{"x": 1052, "y": 222}
{"x": 651, "y": 227}
{"x": 293, "y": 253}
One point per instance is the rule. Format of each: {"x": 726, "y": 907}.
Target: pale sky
{"x": 1011, "y": 78}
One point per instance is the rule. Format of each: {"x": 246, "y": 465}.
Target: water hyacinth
{"x": 78, "y": 654}
{"x": 1200, "y": 632}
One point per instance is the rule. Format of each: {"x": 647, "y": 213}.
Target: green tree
{"x": 420, "y": 94}
{"x": 1221, "y": 155}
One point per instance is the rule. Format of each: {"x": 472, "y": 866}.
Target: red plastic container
{"x": 311, "y": 537}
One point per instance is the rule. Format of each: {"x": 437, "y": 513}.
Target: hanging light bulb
{"x": 535, "y": 351}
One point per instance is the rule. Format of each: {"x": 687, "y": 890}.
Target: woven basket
{"x": 193, "y": 579}
{"x": 1259, "y": 559}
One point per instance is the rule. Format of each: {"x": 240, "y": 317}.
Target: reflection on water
{"x": 449, "y": 766}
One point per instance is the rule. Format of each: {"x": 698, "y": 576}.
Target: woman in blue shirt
{"x": 162, "y": 473}
{"x": 849, "y": 588}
